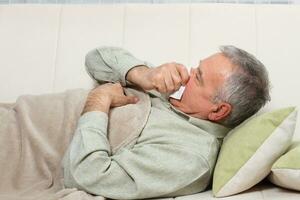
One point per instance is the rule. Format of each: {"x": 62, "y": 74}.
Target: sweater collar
{"x": 218, "y": 130}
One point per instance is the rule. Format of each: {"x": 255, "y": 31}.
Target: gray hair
{"x": 246, "y": 89}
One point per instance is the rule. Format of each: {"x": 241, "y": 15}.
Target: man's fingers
{"x": 162, "y": 87}
{"x": 160, "y": 82}
{"x": 183, "y": 73}
{"x": 176, "y": 79}
{"x": 124, "y": 100}
{"x": 169, "y": 77}
{"x": 169, "y": 82}
{"x": 130, "y": 99}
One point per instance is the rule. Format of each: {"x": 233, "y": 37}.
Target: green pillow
{"x": 286, "y": 170}
{"x": 249, "y": 151}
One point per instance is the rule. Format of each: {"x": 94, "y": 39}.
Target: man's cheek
{"x": 188, "y": 92}
{"x": 190, "y": 86}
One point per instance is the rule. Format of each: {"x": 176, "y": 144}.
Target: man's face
{"x": 204, "y": 81}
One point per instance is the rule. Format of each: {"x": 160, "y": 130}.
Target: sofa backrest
{"x": 42, "y": 47}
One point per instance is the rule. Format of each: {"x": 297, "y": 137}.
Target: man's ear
{"x": 219, "y": 111}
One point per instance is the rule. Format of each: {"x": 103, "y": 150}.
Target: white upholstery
{"x": 42, "y": 47}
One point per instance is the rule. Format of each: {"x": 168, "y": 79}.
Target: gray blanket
{"x": 36, "y": 130}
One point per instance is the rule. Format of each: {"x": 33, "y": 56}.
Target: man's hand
{"x": 105, "y": 96}
{"x": 166, "y": 78}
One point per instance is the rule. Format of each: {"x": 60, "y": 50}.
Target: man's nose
{"x": 192, "y": 72}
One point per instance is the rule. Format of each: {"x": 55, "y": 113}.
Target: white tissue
{"x": 178, "y": 94}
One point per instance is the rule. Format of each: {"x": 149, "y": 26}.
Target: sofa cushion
{"x": 250, "y": 149}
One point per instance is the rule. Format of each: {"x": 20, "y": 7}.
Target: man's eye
{"x": 198, "y": 76}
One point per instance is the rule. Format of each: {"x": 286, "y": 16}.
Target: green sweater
{"x": 174, "y": 155}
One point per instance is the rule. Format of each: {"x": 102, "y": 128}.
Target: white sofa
{"x": 42, "y": 48}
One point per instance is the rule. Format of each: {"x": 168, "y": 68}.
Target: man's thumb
{"x": 132, "y": 99}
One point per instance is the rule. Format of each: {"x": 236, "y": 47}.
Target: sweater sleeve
{"x": 111, "y": 64}
{"x": 145, "y": 171}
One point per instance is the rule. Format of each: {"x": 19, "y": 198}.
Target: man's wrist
{"x": 134, "y": 74}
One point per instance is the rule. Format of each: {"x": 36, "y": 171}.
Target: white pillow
{"x": 286, "y": 170}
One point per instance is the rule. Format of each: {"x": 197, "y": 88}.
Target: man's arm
{"x": 114, "y": 64}
{"x": 149, "y": 170}
{"x": 111, "y": 64}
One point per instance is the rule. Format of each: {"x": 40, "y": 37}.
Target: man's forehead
{"x": 215, "y": 68}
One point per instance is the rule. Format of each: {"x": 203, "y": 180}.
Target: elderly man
{"x": 176, "y": 151}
